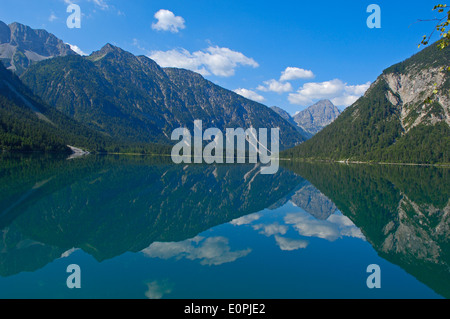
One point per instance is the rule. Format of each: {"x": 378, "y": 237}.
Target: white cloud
{"x": 52, "y": 17}
{"x": 339, "y": 92}
{"x": 167, "y": 21}
{"x": 344, "y": 100}
{"x": 319, "y": 90}
{"x": 299, "y": 99}
{"x": 351, "y": 94}
{"x": 357, "y": 89}
{"x": 180, "y": 58}
{"x": 271, "y": 229}
{"x": 216, "y": 60}
{"x": 334, "y": 227}
{"x": 290, "y": 244}
{"x": 346, "y": 226}
{"x": 308, "y": 226}
{"x": 244, "y": 220}
{"x": 101, "y": 3}
{"x": 249, "y": 94}
{"x": 76, "y": 49}
{"x": 293, "y": 73}
{"x": 157, "y": 289}
{"x": 275, "y": 86}
{"x": 210, "y": 251}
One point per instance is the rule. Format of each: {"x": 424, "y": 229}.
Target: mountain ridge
{"x": 315, "y": 117}
{"x": 312, "y": 119}
{"x": 130, "y": 96}
{"x": 392, "y": 122}
{"x": 21, "y": 46}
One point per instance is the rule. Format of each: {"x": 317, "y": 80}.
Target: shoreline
{"x": 447, "y": 165}
{"x": 286, "y": 159}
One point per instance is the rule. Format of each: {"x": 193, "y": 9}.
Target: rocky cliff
{"x": 21, "y": 46}
{"x": 403, "y": 117}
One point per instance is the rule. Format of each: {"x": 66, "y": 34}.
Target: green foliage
{"x": 424, "y": 144}
{"x": 442, "y": 43}
{"x": 132, "y": 99}
{"x": 133, "y": 201}
{"x": 441, "y": 27}
{"x": 21, "y": 129}
{"x": 371, "y": 130}
{"x": 388, "y": 201}
{"x": 363, "y": 129}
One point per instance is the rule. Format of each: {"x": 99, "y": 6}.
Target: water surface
{"x": 142, "y": 227}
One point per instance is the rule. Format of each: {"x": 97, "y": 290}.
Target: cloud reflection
{"x": 247, "y": 219}
{"x": 157, "y": 289}
{"x": 332, "y": 228}
{"x": 271, "y": 229}
{"x": 290, "y": 244}
{"x": 209, "y": 251}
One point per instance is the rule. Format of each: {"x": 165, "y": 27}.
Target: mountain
{"x": 291, "y": 121}
{"x": 133, "y": 202}
{"x": 284, "y": 115}
{"x": 317, "y": 116}
{"x": 313, "y": 119}
{"x": 29, "y": 124}
{"x": 21, "y": 46}
{"x": 391, "y": 122}
{"x": 402, "y": 210}
{"x": 132, "y": 97}
{"x": 313, "y": 201}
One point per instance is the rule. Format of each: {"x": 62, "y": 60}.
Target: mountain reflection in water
{"x": 106, "y": 206}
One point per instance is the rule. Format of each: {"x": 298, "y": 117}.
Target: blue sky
{"x": 284, "y": 53}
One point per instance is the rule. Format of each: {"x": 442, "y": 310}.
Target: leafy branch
{"x": 441, "y": 26}
{"x": 444, "y": 41}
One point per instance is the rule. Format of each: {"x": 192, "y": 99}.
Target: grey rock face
{"x": 291, "y": 121}
{"x": 407, "y": 92}
{"x": 20, "y": 46}
{"x": 317, "y": 116}
{"x": 314, "y": 202}
{"x": 417, "y": 231}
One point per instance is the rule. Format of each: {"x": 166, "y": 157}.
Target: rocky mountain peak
{"x": 411, "y": 81}
{"x": 38, "y": 41}
{"x": 21, "y": 46}
{"x": 317, "y": 116}
{"x": 113, "y": 54}
{"x": 108, "y": 48}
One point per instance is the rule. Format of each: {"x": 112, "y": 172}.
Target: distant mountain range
{"x": 312, "y": 119}
{"x": 392, "y": 122}
{"x": 122, "y": 99}
{"x": 128, "y": 98}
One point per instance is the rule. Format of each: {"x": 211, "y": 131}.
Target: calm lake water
{"x": 141, "y": 227}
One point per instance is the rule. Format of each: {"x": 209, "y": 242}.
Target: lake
{"x": 143, "y": 227}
